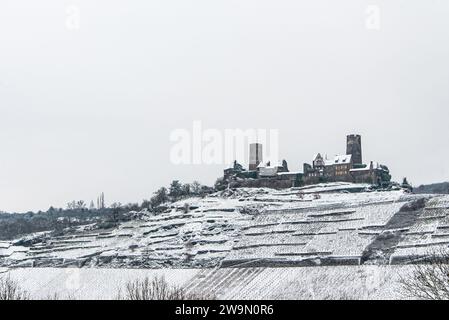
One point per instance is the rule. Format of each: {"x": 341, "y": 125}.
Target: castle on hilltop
{"x": 346, "y": 168}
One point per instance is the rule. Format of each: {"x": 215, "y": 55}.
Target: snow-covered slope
{"x": 327, "y": 224}
{"x": 336, "y": 282}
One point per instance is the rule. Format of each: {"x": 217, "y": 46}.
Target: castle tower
{"x": 354, "y": 147}
{"x": 255, "y": 155}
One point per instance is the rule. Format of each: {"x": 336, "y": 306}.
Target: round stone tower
{"x": 354, "y": 147}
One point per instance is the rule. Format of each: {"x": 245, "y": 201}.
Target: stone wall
{"x": 262, "y": 183}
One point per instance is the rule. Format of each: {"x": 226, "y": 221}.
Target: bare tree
{"x": 76, "y": 205}
{"x": 10, "y": 290}
{"x": 71, "y": 205}
{"x": 156, "y": 289}
{"x": 195, "y": 188}
{"x": 429, "y": 278}
{"x": 115, "y": 212}
{"x": 81, "y": 205}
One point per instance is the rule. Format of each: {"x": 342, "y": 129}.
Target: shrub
{"x": 429, "y": 280}
{"x": 156, "y": 288}
{"x": 10, "y": 290}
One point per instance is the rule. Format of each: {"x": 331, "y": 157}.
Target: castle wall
{"x": 263, "y": 183}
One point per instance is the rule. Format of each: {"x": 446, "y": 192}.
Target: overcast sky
{"x": 88, "y": 105}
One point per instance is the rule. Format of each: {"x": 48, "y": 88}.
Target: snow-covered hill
{"x": 327, "y": 224}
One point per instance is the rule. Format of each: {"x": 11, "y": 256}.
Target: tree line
{"x": 176, "y": 191}
{"x": 78, "y": 212}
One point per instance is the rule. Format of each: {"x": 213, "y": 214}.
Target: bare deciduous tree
{"x": 195, "y": 188}
{"x": 156, "y": 289}
{"x": 429, "y": 278}
{"x": 10, "y": 290}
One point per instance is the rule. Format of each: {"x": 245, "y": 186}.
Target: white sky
{"x": 89, "y": 110}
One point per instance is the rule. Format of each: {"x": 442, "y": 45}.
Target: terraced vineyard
{"x": 328, "y": 224}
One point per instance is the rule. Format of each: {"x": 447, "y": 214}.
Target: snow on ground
{"x": 88, "y": 283}
{"x": 325, "y": 224}
{"x": 171, "y": 238}
{"x": 329, "y": 241}
{"x": 339, "y": 282}
{"x": 429, "y": 234}
{"x": 332, "y": 228}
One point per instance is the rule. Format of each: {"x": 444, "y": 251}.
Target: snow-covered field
{"x": 337, "y": 282}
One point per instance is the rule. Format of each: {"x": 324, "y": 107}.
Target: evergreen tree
{"x": 406, "y": 185}
{"x": 186, "y": 189}
{"x": 160, "y": 196}
{"x": 175, "y": 190}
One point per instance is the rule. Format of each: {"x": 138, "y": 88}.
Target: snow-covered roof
{"x": 339, "y": 159}
{"x": 268, "y": 171}
{"x": 366, "y": 168}
{"x": 288, "y": 173}
{"x": 376, "y": 166}
{"x": 273, "y": 164}
{"x": 230, "y": 166}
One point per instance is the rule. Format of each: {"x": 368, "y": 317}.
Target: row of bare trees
{"x": 157, "y": 288}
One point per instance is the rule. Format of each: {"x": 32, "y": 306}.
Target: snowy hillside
{"x": 327, "y": 224}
